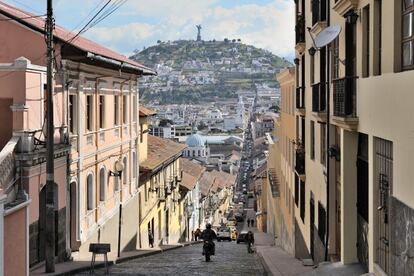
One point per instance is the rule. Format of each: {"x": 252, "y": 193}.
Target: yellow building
{"x": 161, "y": 207}
{"x": 355, "y": 190}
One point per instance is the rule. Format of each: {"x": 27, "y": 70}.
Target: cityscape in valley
{"x": 208, "y": 156}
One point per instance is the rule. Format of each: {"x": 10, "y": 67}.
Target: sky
{"x": 267, "y": 24}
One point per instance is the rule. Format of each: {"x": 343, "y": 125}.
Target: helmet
{"x": 208, "y": 226}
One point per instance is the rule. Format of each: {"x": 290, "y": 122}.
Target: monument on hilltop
{"x": 198, "y": 32}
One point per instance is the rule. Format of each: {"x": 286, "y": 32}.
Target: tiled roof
{"x": 214, "y": 181}
{"x": 192, "y": 168}
{"x": 206, "y": 181}
{"x": 159, "y": 151}
{"x": 145, "y": 112}
{"x": 188, "y": 181}
{"x": 64, "y": 35}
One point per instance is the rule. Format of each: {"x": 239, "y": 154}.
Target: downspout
{"x": 328, "y": 118}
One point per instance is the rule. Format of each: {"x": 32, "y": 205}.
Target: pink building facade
{"x": 96, "y": 128}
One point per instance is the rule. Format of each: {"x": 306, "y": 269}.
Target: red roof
{"x": 64, "y": 35}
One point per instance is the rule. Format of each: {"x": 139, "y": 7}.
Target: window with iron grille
{"x": 296, "y": 190}
{"x": 312, "y": 138}
{"x": 89, "y": 114}
{"x": 407, "y": 34}
{"x": 302, "y": 200}
{"x": 321, "y": 222}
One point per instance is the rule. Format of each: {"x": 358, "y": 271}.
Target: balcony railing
{"x": 300, "y": 161}
{"x": 344, "y": 97}
{"x": 300, "y": 29}
{"x": 318, "y": 11}
{"x": 274, "y": 182}
{"x": 300, "y": 97}
{"x": 319, "y": 97}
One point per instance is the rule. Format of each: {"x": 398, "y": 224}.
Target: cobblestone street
{"x": 230, "y": 259}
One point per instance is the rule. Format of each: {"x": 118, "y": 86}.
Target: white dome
{"x": 195, "y": 140}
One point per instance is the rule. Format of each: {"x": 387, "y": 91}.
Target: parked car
{"x": 241, "y": 237}
{"x": 223, "y": 234}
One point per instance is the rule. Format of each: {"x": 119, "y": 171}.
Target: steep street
{"x": 230, "y": 259}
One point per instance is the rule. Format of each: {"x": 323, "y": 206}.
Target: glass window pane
{"x": 408, "y": 3}
{"x": 408, "y": 53}
{"x": 408, "y": 25}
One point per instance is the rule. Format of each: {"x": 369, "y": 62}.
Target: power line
{"x": 89, "y": 14}
{"x": 89, "y": 22}
{"x": 116, "y": 6}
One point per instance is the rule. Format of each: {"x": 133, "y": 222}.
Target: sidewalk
{"x": 81, "y": 265}
{"x": 275, "y": 260}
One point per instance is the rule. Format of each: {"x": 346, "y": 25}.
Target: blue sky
{"x": 267, "y": 24}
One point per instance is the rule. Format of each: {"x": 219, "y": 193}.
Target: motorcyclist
{"x": 209, "y": 235}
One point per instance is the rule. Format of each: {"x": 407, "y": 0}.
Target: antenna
{"x": 327, "y": 36}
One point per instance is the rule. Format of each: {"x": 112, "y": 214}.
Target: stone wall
{"x": 402, "y": 238}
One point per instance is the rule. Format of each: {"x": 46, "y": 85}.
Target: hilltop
{"x": 189, "y": 71}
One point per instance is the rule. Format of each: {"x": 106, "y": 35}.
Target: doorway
{"x": 311, "y": 225}
{"x": 383, "y": 190}
{"x": 74, "y": 245}
{"x": 338, "y": 202}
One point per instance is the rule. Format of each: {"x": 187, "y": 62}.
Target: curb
{"x": 266, "y": 268}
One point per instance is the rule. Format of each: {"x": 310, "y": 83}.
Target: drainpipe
{"x": 328, "y": 118}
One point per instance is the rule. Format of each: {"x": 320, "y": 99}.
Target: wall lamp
{"x": 312, "y": 51}
{"x": 296, "y": 61}
{"x": 333, "y": 152}
{"x": 351, "y": 17}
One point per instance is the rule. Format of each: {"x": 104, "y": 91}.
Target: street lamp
{"x": 119, "y": 167}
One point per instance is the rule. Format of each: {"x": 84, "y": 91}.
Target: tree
{"x": 238, "y": 40}
{"x": 158, "y": 41}
{"x": 226, "y": 40}
{"x": 165, "y": 122}
{"x": 233, "y": 40}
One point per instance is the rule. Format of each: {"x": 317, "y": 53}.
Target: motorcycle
{"x": 208, "y": 249}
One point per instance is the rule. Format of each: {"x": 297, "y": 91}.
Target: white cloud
{"x": 268, "y": 26}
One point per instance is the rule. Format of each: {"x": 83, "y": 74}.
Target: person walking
{"x": 250, "y": 241}
{"x": 151, "y": 239}
{"x": 252, "y": 222}
{"x": 248, "y": 222}
{"x": 197, "y": 234}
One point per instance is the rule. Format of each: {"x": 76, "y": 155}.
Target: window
{"x": 321, "y": 222}
{"x": 407, "y": 34}
{"x": 89, "y": 112}
{"x": 102, "y": 181}
{"x": 323, "y": 143}
{"x": 134, "y": 165}
{"x": 296, "y": 190}
{"x": 335, "y": 59}
{"x": 89, "y": 192}
{"x": 134, "y": 108}
{"x": 312, "y": 69}
{"x": 72, "y": 113}
{"x": 377, "y": 37}
{"x": 124, "y": 109}
{"x": 101, "y": 111}
{"x": 366, "y": 41}
{"x": 302, "y": 200}
{"x": 116, "y": 184}
{"x": 312, "y": 134}
{"x": 125, "y": 172}
{"x": 116, "y": 110}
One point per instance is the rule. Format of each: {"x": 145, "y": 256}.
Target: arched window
{"x": 89, "y": 192}
{"x": 125, "y": 172}
{"x": 102, "y": 181}
{"x": 134, "y": 165}
{"x": 199, "y": 154}
{"x": 193, "y": 153}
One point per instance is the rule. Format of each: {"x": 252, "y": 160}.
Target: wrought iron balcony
{"x": 300, "y": 161}
{"x": 300, "y": 29}
{"x": 300, "y": 97}
{"x": 319, "y": 97}
{"x": 344, "y": 97}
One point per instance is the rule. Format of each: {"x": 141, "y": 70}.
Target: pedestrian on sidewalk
{"x": 252, "y": 222}
{"x": 151, "y": 239}
{"x": 248, "y": 222}
{"x": 197, "y": 234}
{"x": 250, "y": 241}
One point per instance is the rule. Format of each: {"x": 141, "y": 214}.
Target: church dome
{"x": 195, "y": 140}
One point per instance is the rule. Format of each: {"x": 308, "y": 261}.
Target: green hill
{"x": 189, "y": 71}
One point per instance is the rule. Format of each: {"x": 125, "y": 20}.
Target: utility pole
{"x": 50, "y": 178}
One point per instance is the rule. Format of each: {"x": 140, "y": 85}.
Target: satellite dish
{"x": 327, "y": 36}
